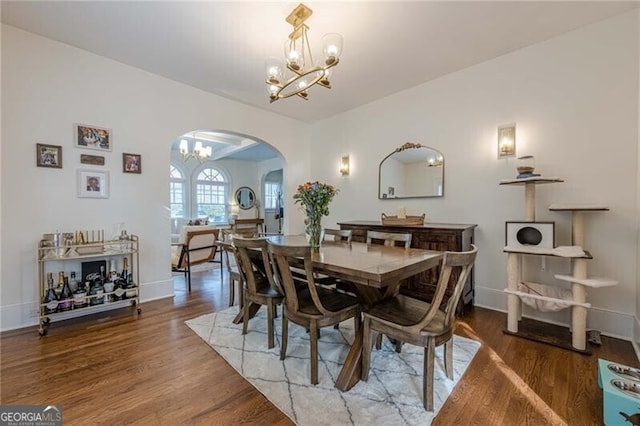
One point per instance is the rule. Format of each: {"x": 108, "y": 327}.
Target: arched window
{"x": 177, "y": 192}
{"x": 211, "y": 195}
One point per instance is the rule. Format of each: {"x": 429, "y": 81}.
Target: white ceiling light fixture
{"x": 299, "y": 61}
{"x": 201, "y": 153}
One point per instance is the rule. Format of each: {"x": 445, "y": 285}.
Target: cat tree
{"x": 575, "y": 299}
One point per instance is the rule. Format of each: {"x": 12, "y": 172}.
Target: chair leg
{"x": 232, "y": 288}
{"x": 270, "y": 314}
{"x": 398, "y": 346}
{"x": 245, "y": 316}
{"x": 285, "y": 336}
{"x": 379, "y": 341}
{"x": 189, "y": 277}
{"x": 366, "y": 349}
{"x": 313, "y": 340}
{"x": 357, "y": 322}
{"x": 427, "y": 379}
{"x": 448, "y": 358}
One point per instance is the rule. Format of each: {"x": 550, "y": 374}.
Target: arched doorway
{"x": 203, "y": 188}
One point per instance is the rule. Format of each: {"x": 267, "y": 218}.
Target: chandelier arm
{"x": 306, "y": 39}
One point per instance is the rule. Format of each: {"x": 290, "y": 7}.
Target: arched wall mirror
{"x": 245, "y": 197}
{"x": 411, "y": 171}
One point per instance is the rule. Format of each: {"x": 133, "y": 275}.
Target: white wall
{"x": 575, "y": 101}
{"x": 46, "y": 87}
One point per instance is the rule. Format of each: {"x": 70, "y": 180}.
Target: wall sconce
{"x": 344, "y": 166}
{"x": 507, "y": 141}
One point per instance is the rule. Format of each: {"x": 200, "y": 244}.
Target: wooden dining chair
{"x": 389, "y": 238}
{"x": 337, "y": 235}
{"x": 249, "y": 228}
{"x": 258, "y": 282}
{"x": 233, "y": 271}
{"x": 420, "y": 323}
{"x": 309, "y": 306}
{"x": 230, "y": 257}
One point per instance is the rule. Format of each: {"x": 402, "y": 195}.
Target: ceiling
{"x": 221, "y": 47}
{"x": 228, "y": 146}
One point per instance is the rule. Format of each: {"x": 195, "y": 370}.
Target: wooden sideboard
{"x": 431, "y": 236}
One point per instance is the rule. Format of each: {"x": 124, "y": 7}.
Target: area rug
{"x": 391, "y": 396}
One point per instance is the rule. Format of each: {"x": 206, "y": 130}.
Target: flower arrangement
{"x": 314, "y": 198}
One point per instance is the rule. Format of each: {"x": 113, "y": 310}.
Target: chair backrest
{"x": 284, "y": 257}
{"x": 389, "y": 238}
{"x": 338, "y": 235}
{"x": 252, "y": 255}
{"x": 200, "y": 244}
{"x": 249, "y": 228}
{"x": 229, "y": 234}
{"x": 464, "y": 260}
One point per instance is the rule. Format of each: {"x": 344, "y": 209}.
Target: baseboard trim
{"x": 23, "y": 315}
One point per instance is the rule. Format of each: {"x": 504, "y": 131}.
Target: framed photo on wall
{"x": 131, "y": 163}
{"x": 94, "y": 160}
{"x": 48, "y": 155}
{"x": 93, "y": 183}
{"x": 92, "y": 137}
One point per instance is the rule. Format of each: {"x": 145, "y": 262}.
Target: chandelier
{"x": 200, "y": 152}
{"x": 305, "y": 73}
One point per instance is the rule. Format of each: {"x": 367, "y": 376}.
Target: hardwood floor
{"x": 118, "y": 368}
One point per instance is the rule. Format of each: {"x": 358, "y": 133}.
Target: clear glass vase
{"x": 313, "y": 231}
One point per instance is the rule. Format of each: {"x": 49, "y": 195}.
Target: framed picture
{"x": 92, "y": 137}
{"x": 94, "y": 160}
{"x": 131, "y": 163}
{"x": 93, "y": 183}
{"x": 48, "y": 156}
{"x": 522, "y": 235}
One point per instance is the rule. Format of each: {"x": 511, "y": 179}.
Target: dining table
{"x": 376, "y": 271}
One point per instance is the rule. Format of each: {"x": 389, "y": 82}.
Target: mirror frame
{"x": 405, "y": 146}
{"x": 252, "y": 196}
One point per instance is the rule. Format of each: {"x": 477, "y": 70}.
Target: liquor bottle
{"x": 125, "y": 269}
{"x": 97, "y": 292}
{"x": 131, "y": 290}
{"x": 50, "y": 300}
{"x": 60, "y": 286}
{"x": 93, "y": 292}
{"x": 124, "y": 240}
{"x": 66, "y": 297}
{"x": 80, "y": 297}
{"x": 112, "y": 272}
{"x": 73, "y": 282}
{"x": 119, "y": 289}
{"x": 108, "y": 283}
